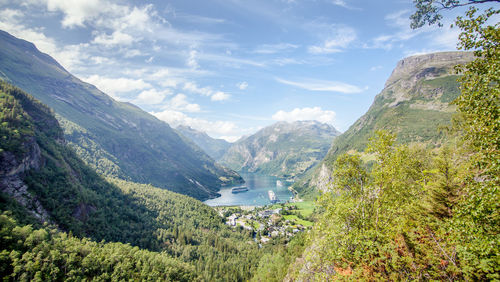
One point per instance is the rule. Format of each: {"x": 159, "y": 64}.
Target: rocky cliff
{"x": 413, "y": 104}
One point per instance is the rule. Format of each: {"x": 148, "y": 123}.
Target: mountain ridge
{"x": 215, "y": 148}
{"x": 283, "y": 149}
{"x": 413, "y": 104}
{"x": 117, "y": 139}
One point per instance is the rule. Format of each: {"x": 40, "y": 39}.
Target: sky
{"x": 231, "y": 67}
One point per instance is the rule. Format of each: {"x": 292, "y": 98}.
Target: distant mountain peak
{"x": 283, "y": 149}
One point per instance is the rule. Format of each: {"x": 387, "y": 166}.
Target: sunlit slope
{"x": 414, "y": 103}
{"x": 115, "y": 138}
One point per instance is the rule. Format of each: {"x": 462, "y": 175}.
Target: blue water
{"x": 258, "y": 185}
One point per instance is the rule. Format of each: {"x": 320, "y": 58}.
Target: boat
{"x": 239, "y": 189}
{"x": 279, "y": 183}
{"x": 272, "y": 197}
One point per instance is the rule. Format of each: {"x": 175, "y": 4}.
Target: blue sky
{"x": 230, "y": 67}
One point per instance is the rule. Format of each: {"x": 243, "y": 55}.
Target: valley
{"x": 249, "y": 141}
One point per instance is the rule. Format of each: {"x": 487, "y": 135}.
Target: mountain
{"x": 415, "y": 101}
{"x": 215, "y": 148}
{"x": 117, "y": 139}
{"x": 42, "y": 180}
{"x": 282, "y": 149}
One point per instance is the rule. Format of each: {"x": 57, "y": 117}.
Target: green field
{"x": 298, "y": 220}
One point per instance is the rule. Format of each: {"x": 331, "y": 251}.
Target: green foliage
{"x": 428, "y": 11}
{"x": 83, "y": 203}
{"x": 49, "y": 255}
{"x": 382, "y": 223}
{"x": 273, "y": 265}
{"x": 477, "y": 220}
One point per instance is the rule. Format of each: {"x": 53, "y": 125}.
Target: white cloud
{"x": 191, "y": 61}
{"x": 206, "y": 91}
{"x": 375, "y": 68}
{"x": 151, "y": 97}
{"x": 199, "y": 19}
{"x": 340, "y": 3}
{"x": 337, "y": 39}
{"x": 446, "y": 38}
{"x": 212, "y": 128}
{"x": 116, "y": 38}
{"x": 180, "y": 103}
{"x": 192, "y": 87}
{"x": 321, "y": 85}
{"x": 274, "y": 48}
{"x": 220, "y": 96}
{"x": 242, "y": 85}
{"x": 76, "y": 12}
{"x": 400, "y": 21}
{"x": 315, "y": 113}
{"x": 114, "y": 86}
{"x": 230, "y": 139}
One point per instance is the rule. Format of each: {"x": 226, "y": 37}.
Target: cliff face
{"x": 283, "y": 149}
{"x": 12, "y": 171}
{"x": 413, "y": 104}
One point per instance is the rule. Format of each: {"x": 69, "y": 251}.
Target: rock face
{"x": 413, "y": 104}
{"x": 12, "y": 171}
{"x": 283, "y": 149}
{"x": 114, "y": 138}
{"x": 215, "y": 148}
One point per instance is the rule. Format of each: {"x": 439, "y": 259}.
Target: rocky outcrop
{"x": 425, "y": 66}
{"x": 11, "y": 178}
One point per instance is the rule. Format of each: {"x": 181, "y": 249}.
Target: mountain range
{"x": 215, "y": 148}
{"x": 284, "y": 149}
{"x": 115, "y": 138}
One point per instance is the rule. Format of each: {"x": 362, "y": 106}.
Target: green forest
{"x": 397, "y": 207}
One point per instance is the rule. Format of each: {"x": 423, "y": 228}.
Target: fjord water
{"x": 258, "y": 186}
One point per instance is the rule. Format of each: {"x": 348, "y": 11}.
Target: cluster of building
{"x": 266, "y": 223}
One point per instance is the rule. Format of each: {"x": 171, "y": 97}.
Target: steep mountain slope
{"x": 116, "y": 139}
{"x": 413, "y": 104}
{"x": 42, "y": 180}
{"x": 282, "y": 149}
{"x": 215, "y": 148}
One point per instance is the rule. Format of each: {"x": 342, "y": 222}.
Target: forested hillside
{"x": 413, "y": 212}
{"x": 415, "y": 104}
{"x": 44, "y": 181}
{"x": 114, "y": 138}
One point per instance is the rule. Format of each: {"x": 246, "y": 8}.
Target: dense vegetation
{"x": 415, "y": 213}
{"x": 114, "y": 138}
{"x": 47, "y": 255}
{"x": 83, "y": 203}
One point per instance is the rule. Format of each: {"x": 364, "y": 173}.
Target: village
{"x": 270, "y": 222}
